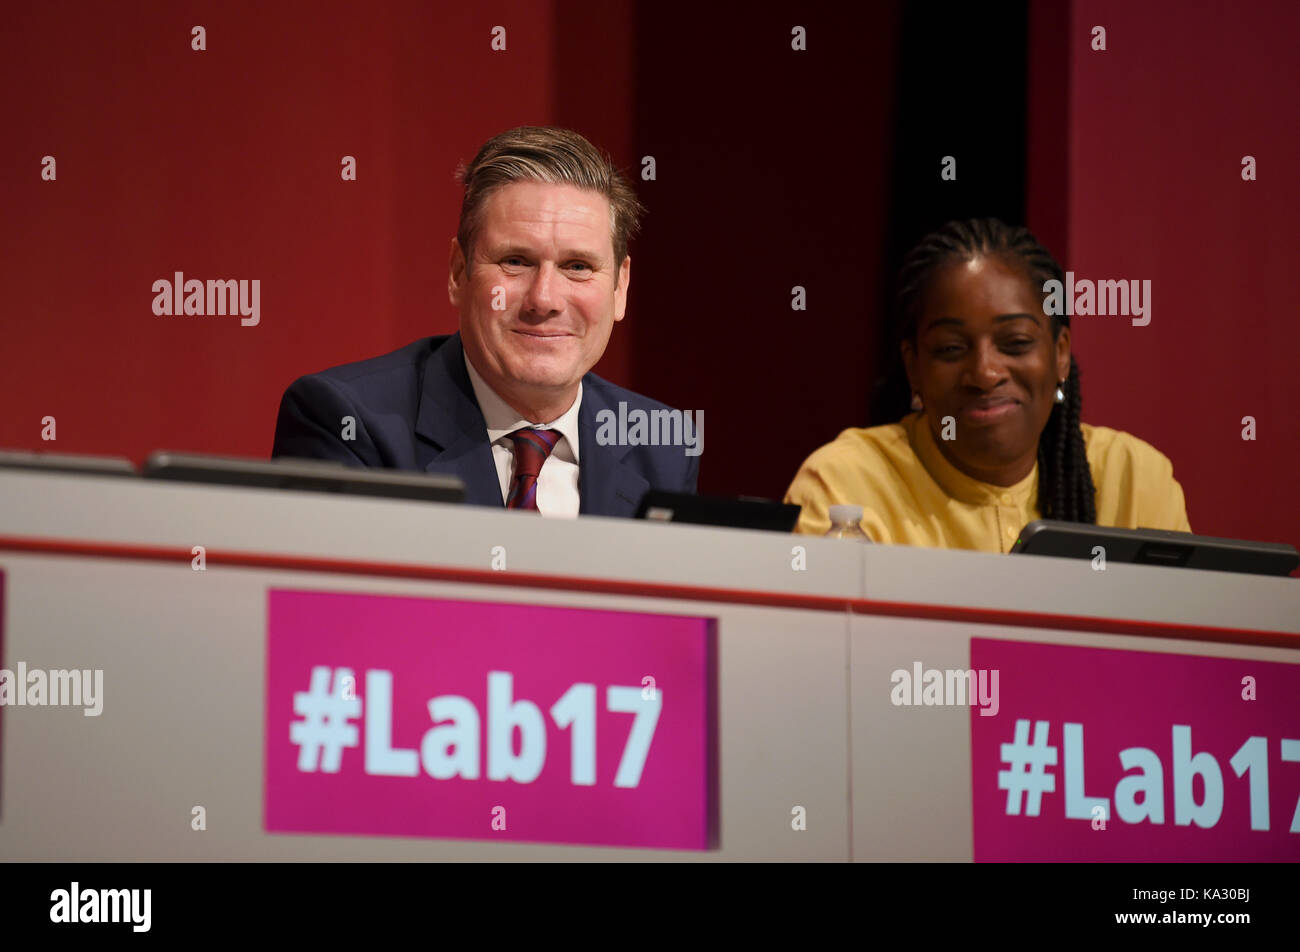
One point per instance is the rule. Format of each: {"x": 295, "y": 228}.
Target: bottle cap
{"x": 846, "y": 513}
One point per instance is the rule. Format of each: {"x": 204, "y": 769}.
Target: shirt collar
{"x": 502, "y": 419}
{"x": 956, "y": 483}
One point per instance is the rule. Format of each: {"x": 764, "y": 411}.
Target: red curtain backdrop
{"x": 226, "y": 164}
{"x": 1155, "y": 132}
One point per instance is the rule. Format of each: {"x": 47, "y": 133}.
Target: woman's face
{"x": 984, "y": 355}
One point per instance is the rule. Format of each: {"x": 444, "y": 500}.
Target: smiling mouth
{"x": 990, "y": 411}
{"x": 534, "y": 335}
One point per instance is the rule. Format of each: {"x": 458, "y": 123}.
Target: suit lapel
{"x": 608, "y": 486}
{"x": 450, "y": 419}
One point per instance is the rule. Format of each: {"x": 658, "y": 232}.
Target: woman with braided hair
{"x": 994, "y": 439}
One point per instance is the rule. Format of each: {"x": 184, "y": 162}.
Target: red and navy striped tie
{"x": 531, "y": 449}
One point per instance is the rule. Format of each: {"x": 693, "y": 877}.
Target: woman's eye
{"x": 1021, "y": 344}
{"x": 947, "y": 351}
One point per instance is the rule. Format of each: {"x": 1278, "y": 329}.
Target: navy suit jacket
{"x": 415, "y": 410}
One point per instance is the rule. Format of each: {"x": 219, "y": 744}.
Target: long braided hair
{"x": 1065, "y": 488}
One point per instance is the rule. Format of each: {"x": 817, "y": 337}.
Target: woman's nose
{"x": 987, "y": 366}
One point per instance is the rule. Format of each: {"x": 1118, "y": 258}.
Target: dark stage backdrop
{"x": 775, "y": 168}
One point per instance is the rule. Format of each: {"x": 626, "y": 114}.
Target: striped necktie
{"x": 532, "y": 447}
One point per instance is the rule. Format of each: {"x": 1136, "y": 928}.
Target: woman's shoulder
{"x": 858, "y": 446}
{"x": 1112, "y": 450}
{"x": 1135, "y": 482}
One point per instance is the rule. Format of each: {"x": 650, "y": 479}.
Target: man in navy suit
{"x": 539, "y": 272}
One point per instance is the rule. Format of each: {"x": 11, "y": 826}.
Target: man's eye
{"x": 514, "y": 261}
{"x": 579, "y": 265}
{"x": 947, "y": 351}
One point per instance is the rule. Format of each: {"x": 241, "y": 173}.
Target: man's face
{"x": 985, "y": 356}
{"x": 541, "y": 294}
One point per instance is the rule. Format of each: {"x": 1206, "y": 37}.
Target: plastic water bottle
{"x": 846, "y": 523}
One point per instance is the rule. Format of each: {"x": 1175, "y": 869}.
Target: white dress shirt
{"x": 557, "y": 483}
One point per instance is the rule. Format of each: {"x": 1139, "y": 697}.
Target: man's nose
{"x": 543, "y": 297}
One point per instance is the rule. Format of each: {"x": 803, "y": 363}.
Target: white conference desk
{"x": 97, "y": 574}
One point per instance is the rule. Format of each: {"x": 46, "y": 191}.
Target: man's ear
{"x": 1063, "y": 354}
{"x": 457, "y": 275}
{"x": 620, "y": 290}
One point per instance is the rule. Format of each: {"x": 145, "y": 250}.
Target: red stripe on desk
{"x": 576, "y": 583}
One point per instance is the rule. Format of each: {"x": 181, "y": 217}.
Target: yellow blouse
{"x": 911, "y": 494}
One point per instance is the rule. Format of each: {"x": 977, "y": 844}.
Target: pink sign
{"x": 427, "y": 717}
{"x": 1101, "y": 755}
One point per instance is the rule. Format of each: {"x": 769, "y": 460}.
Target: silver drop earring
{"x": 1060, "y": 392}
{"x": 916, "y": 402}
